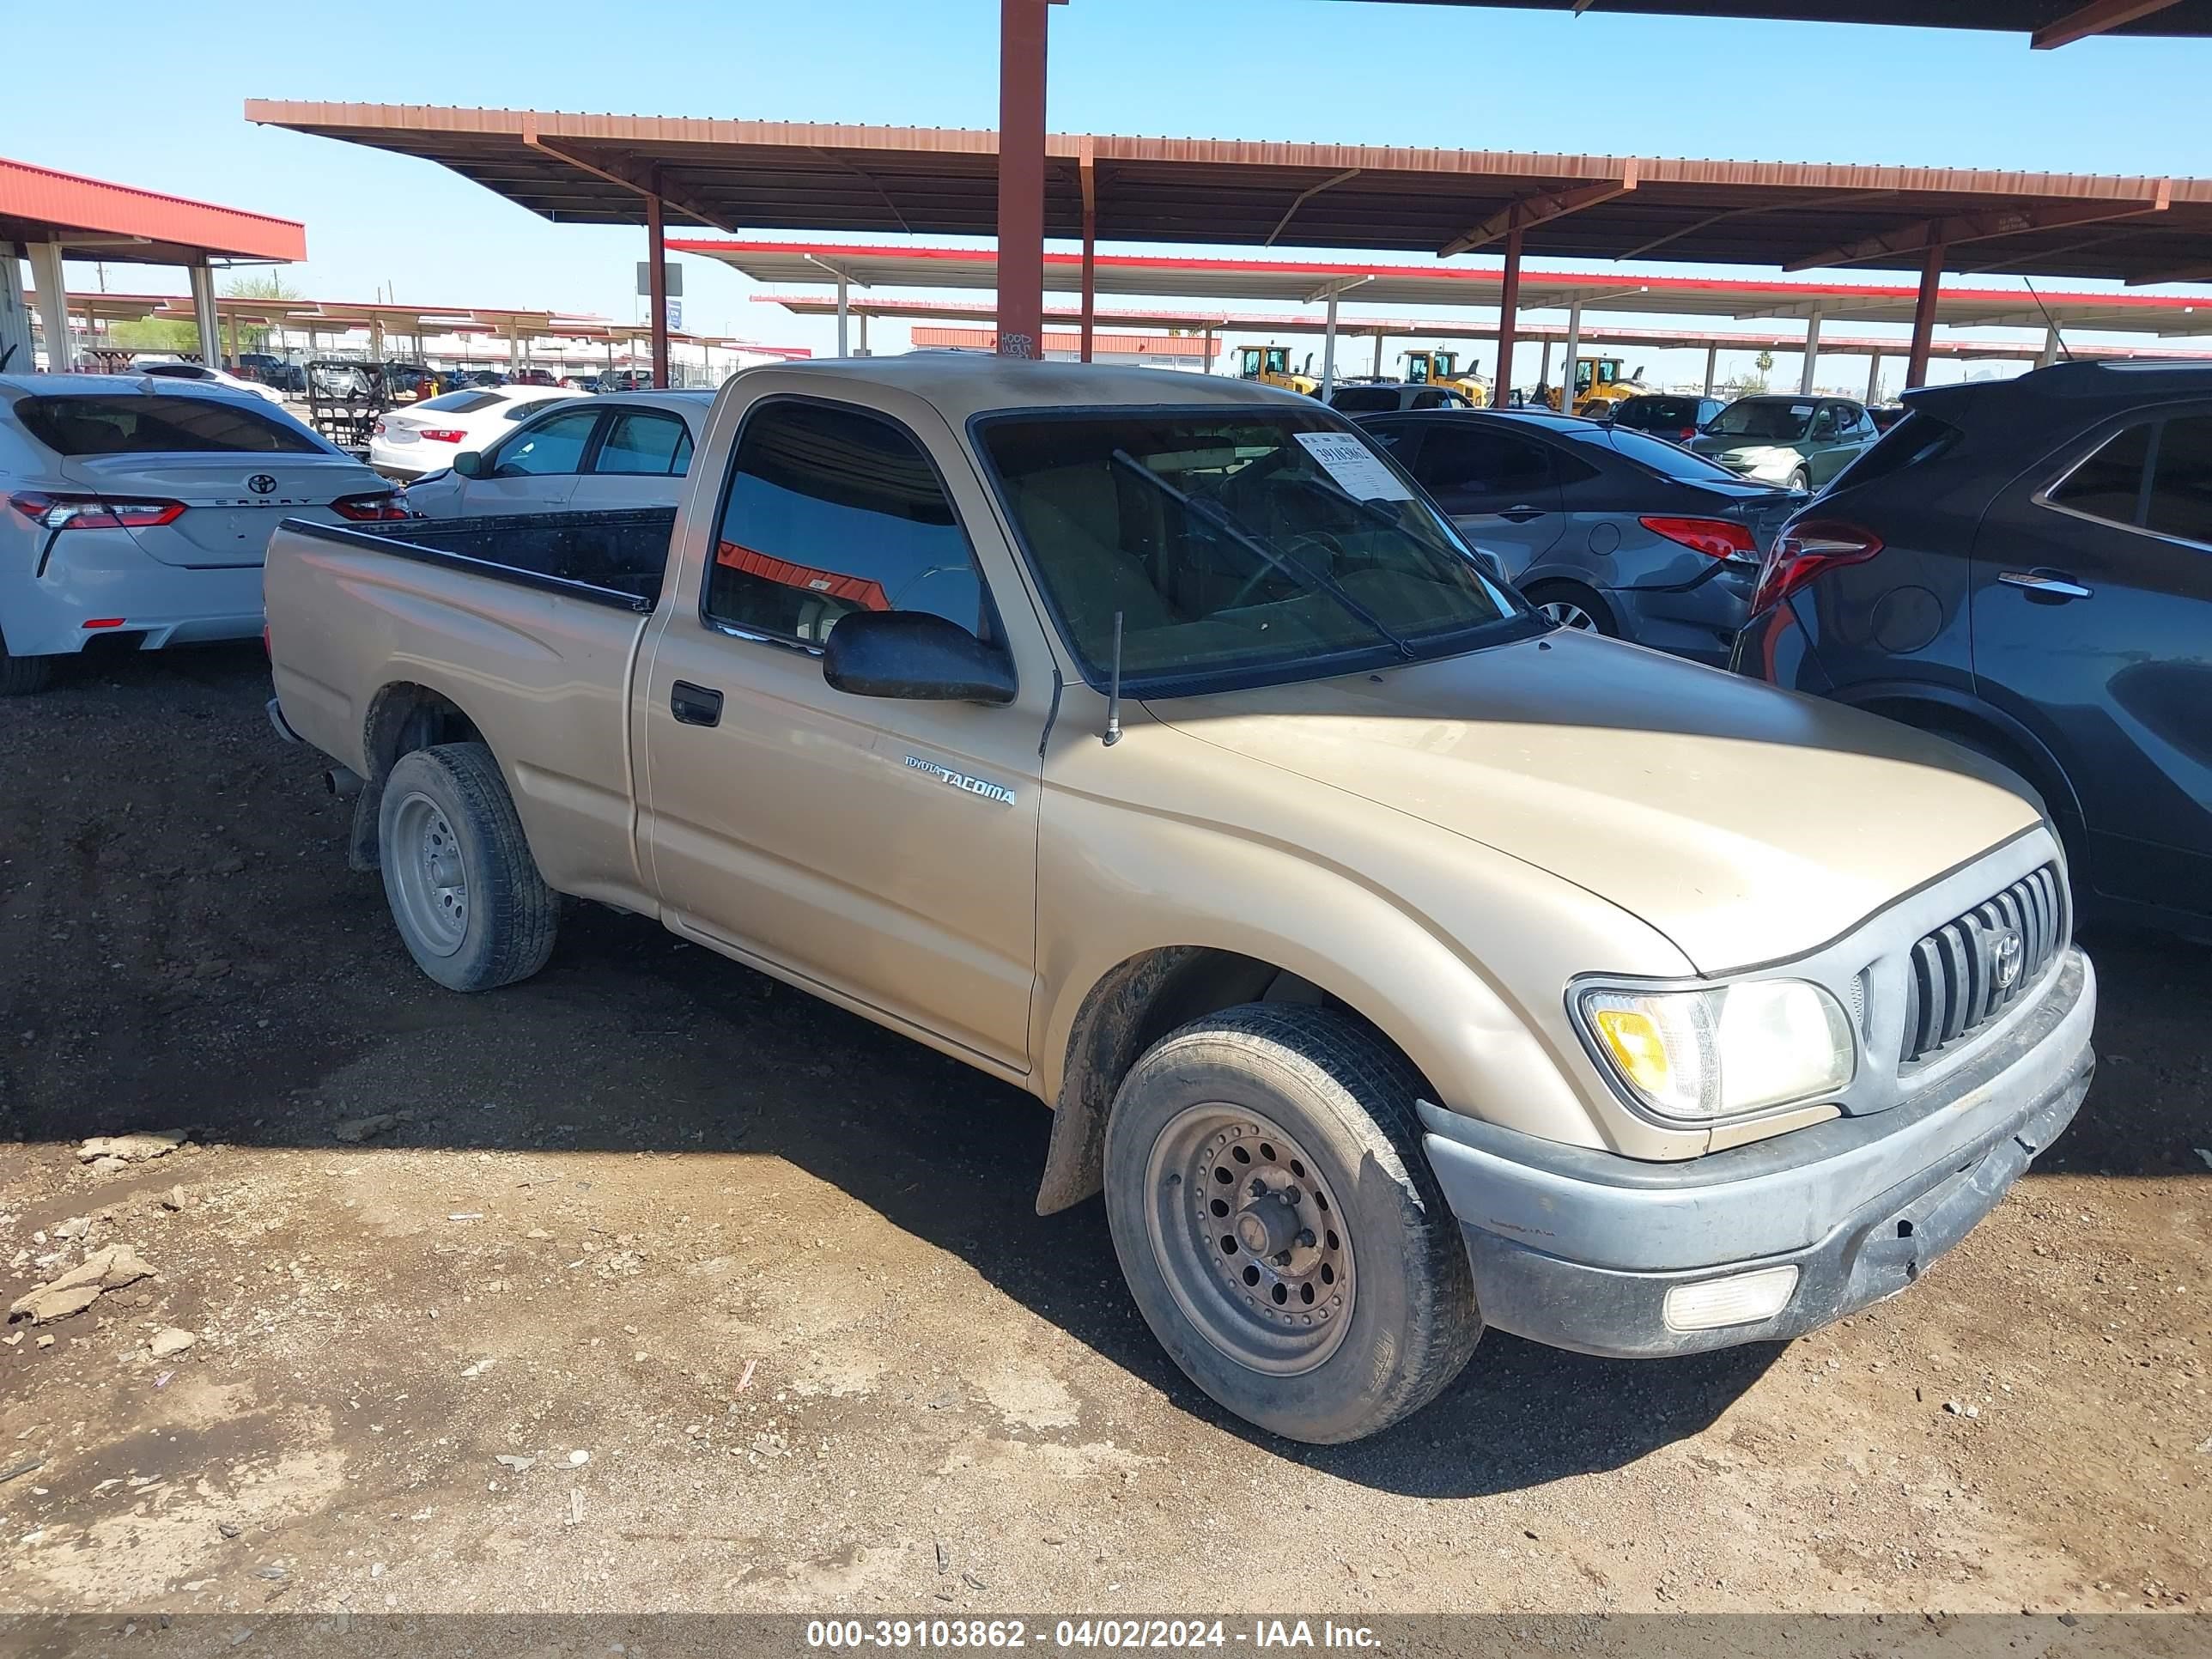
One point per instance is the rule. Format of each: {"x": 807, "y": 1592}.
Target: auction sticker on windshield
{"x": 1357, "y": 471}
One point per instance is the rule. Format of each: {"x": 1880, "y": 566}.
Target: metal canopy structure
{"x": 49, "y": 217}
{"x": 1303, "y": 282}
{"x": 1205, "y": 325}
{"x": 627, "y": 169}
{"x": 607, "y": 169}
{"x": 2046, "y": 23}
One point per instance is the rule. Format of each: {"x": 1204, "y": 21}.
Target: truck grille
{"x": 1968, "y": 971}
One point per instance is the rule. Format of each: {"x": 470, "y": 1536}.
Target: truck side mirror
{"x": 913, "y": 654}
{"x": 470, "y": 464}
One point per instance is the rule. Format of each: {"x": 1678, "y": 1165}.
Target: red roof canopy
{"x": 95, "y": 219}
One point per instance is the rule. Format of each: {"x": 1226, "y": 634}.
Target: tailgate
{"x": 233, "y": 501}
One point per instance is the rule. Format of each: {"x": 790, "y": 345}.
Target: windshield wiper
{"x": 1227, "y": 522}
{"x": 1437, "y": 558}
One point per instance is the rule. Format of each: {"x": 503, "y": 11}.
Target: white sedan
{"x": 625, "y": 449}
{"x": 424, "y": 437}
{"x": 201, "y": 374}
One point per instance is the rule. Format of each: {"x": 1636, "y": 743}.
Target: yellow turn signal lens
{"x": 1638, "y": 1048}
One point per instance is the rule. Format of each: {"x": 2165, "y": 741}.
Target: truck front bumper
{"x": 1579, "y": 1248}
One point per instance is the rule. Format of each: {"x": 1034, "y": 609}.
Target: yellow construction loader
{"x": 1270, "y": 365}
{"x": 1599, "y": 385}
{"x": 1437, "y": 367}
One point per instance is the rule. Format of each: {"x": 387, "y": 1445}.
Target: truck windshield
{"x": 1247, "y": 544}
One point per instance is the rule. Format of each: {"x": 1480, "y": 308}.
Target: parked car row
{"x": 2021, "y": 566}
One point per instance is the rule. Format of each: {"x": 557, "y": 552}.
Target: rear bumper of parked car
{"x": 98, "y": 584}
{"x": 1698, "y": 621}
{"x": 1581, "y": 1248}
{"x": 409, "y": 463}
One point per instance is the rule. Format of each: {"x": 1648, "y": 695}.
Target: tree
{"x": 1766, "y": 361}
{"x": 154, "y": 334}
{"x": 258, "y": 285}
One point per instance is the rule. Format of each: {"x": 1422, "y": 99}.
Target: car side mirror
{"x": 470, "y": 464}
{"x": 916, "y": 655}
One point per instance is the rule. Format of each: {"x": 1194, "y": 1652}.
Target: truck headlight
{"x": 1702, "y": 1056}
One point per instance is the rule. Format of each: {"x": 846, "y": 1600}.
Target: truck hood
{"x": 1745, "y": 823}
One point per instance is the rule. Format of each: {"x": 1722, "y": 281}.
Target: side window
{"x": 639, "y": 442}
{"x": 1828, "y": 424}
{"x": 2109, "y": 485}
{"x": 2181, "y": 480}
{"x": 833, "y": 510}
{"x": 1430, "y": 397}
{"x": 554, "y": 444}
{"x": 1472, "y": 469}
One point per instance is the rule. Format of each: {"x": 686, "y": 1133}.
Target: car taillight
{"x": 381, "y": 508}
{"x": 442, "y": 434}
{"x": 377, "y": 431}
{"x": 56, "y": 512}
{"x": 1716, "y": 538}
{"x": 1806, "y": 549}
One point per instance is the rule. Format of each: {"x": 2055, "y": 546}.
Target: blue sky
{"x": 1326, "y": 69}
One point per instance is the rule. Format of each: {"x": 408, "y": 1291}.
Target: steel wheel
{"x": 1249, "y": 1239}
{"x": 433, "y": 877}
{"x": 1568, "y": 614}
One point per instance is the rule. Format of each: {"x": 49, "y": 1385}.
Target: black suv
{"x": 2026, "y": 566}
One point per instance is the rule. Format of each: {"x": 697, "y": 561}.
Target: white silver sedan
{"x": 421, "y": 438}
{"x": 201, "y": 374}
{"x": 625, "y": 449}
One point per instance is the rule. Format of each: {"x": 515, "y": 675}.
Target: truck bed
{"x": 614, "y": 558}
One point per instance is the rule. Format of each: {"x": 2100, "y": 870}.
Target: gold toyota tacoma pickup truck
{"x": 1397, "y": 963}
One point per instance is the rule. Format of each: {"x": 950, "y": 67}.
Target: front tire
{"x": 464, "y": 892}
{"x": 1279, "y": 1227}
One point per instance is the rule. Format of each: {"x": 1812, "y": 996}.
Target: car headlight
{"x": 1698, "y": 1056}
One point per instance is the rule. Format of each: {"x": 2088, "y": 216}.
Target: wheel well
{"x": 1989, "y": 737}
{"x": 404, "y": 717}
{"x": 1132, "y": 1007}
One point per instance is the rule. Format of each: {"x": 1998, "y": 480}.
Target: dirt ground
{"x": 671, "y": 1287}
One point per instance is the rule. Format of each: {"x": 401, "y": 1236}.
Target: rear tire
{"x": 465, "y": 894}
{"x": 20, "y": 676}
{"x": 1574, "y": 607}
{"x": 1802, "y": 480}
{"x": 1344, "y": 1302}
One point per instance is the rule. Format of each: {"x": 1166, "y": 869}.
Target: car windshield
{"x": 1774, "y": 419}
{"x": 1653, "y": 454}
{"x": 1252, "y": 544}
{"x": 170, "y": 423}
{"x": 459, "y": 402}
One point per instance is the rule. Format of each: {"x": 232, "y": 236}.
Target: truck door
{"x": 884, "y": 850}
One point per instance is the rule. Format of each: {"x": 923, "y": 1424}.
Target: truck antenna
{"x": 1113, "y": 689}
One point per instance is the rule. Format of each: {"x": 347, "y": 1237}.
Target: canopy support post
{"x": 1923, "y": 317}
{"x": 656, "y": 251}
{"x": 1509, "y": 304}
{"x": 1021, "y": 177}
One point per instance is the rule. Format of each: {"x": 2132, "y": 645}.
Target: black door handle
{"x": 1521, "y": 515}
{"x": 695, "y": 705}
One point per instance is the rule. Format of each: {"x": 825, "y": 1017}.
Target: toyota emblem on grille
{"x": 261, "y": 483}
{"x": 2004, "y": 958}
